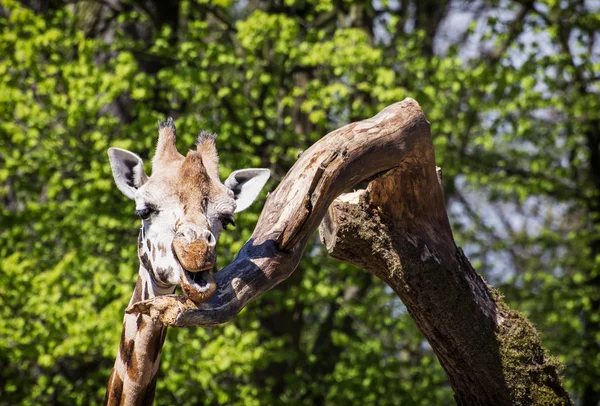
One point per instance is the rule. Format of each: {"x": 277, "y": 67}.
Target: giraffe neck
{"x": 133, "y": 377}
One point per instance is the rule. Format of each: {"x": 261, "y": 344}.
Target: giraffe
{"x": 183, "y": 208}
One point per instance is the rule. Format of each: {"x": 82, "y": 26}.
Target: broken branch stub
{"x": 341, "y": 159}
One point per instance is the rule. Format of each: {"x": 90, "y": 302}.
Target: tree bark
{"x": 395, "y": 229}
{"x": 398, "y": 230}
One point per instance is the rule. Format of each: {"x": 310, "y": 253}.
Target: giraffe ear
{"x": 128, "y": 171}
{"x": 246, "y": 185}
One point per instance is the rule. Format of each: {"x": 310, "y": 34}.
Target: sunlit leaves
{"x": 270, "y": 82}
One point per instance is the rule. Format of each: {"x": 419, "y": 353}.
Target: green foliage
{"x": 514, "y": 133}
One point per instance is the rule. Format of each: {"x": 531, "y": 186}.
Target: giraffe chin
{"x": 198, "y": 286}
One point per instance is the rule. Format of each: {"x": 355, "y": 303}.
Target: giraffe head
{"x": 183, "y": 207}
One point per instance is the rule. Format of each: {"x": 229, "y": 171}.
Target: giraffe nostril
{"x": 209, "y": 238}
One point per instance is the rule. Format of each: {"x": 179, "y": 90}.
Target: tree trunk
{"x": 397, "y": 229}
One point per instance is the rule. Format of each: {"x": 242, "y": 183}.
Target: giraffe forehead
{"x": 194, "y": 183}
{"x": 185, "y": 184}
{"x": 159, "y": 188}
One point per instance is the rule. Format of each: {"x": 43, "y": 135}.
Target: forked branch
{"x": 294, "y": 210}
{"x": 397, "y": 229}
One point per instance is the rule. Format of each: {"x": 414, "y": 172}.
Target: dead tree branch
{"x": 294, "y": 210}
{"x": 397, "y": 229}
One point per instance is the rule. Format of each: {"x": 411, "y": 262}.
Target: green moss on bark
{"x": 530, "y": 374}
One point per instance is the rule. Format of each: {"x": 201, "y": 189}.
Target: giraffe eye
{"x": 145, "y": 213}
{"x": 227, "y": 220}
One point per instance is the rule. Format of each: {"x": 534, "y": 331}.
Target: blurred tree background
{"x": 511, "y": 89}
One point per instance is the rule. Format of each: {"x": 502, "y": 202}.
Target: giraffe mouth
{"x": 198, "y": 277}
{"x": 198, "y": 286}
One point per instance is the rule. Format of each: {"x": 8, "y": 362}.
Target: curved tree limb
{"x": 294, "y": 210}
{"x": 398, "y": 230}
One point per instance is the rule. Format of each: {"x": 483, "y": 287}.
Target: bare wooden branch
{"x": 294, "y": 210}
{"x": 398, "y": 229}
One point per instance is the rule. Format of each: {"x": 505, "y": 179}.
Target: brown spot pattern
{"x": 132, "y": 368}
{"x": 137, "y": 293}
{"x": 140, "y": 322}
{"x": 127, "y": 354}
{"x": 162, "y": 249}
{"x": 126, "y": 348}
{"x": 163, "y": 273}
{"x": 155, "y": 344}
{"x": 148, "y": 396}
{"x": 114, "y": 391}
{"x": 146, "y": 294}
{"x": 146, "y": 261}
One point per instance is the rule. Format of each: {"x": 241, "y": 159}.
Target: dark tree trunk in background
{"x": 591, "y": 322}
{"x": 428, "y": 16}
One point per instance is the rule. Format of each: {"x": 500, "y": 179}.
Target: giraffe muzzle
{"x": 195, "y": 250}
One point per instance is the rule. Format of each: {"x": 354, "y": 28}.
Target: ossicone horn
{"x": 207, "y": 149}
{"x": 166, "y": 149}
